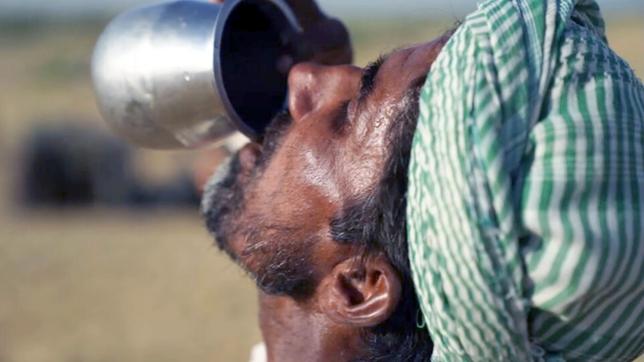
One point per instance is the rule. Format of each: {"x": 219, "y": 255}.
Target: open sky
{"x": 439, "y": 8}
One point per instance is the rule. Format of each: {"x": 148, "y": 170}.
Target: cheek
{"x": 329, "y": 253}
{"x": 318, "y": 174}
{"x": 361, "y": 168}
{"x": 300, "y": 181}
{"x": 301, "y": 209}
{"x": 364, "y": 153}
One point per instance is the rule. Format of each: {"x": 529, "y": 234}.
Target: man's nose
{"x": 313, "y": 86}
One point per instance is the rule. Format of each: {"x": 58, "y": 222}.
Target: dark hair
{"x": 377, "y": 221}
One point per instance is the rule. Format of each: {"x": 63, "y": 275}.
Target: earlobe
{"x": 361, "y": 292}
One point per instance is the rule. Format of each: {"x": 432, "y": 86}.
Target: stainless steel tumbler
{"x": 188, "y": 73}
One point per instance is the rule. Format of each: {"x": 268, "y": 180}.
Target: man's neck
{"x": 293, "y": 333}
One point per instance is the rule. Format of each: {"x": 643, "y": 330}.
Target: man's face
{"x": 272, "y": 212}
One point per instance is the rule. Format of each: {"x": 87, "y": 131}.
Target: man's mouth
{"x": 223, "y": 193}
{"x": 210, "y": 188}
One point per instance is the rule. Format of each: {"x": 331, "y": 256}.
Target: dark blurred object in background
{"x": 67, "y": 164}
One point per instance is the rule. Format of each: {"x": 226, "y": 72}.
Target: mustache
{"x": 277, "y": 264}
{"x": 223, "y": 179}
{"x": 223, "y": 197}
{"x": 222, "y": 201}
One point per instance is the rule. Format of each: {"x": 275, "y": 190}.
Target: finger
{"x": 334, "y": 57}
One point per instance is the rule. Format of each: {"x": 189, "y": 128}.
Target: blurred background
{"x": 103, "y": 256}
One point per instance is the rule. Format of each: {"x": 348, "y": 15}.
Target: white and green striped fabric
{"x": 526, "y": 189}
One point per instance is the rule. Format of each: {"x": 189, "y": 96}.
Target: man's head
{"x": 316, "y": 212}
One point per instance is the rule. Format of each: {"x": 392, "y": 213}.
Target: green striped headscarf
{"x": 526, "y": 187}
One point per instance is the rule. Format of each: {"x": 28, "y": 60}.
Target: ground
{"x": 119, "y": 286}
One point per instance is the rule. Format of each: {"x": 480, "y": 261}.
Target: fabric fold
{"x": 509, "y": 178}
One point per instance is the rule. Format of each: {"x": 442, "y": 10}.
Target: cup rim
{"x": 220, "y": 24}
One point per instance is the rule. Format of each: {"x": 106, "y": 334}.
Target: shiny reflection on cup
{"x": 186, "y": 74}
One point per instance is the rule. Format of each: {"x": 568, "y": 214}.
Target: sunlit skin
{"x": 317, "y": 168}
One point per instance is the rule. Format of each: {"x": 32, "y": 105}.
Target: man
{"x": 294, "y": 211}
{"x": 317, "y": 212}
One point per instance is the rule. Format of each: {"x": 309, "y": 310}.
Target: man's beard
{"x": 278, "y": 264}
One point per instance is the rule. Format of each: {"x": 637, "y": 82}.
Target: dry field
{"x": 119, "y": 285}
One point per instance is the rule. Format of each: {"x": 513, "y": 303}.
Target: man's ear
{"x": 361, "y": 292}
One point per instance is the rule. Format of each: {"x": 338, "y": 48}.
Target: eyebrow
{"x": 368, "y": 81}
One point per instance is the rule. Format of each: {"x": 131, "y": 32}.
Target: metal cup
{"x": 187, "y": 73}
